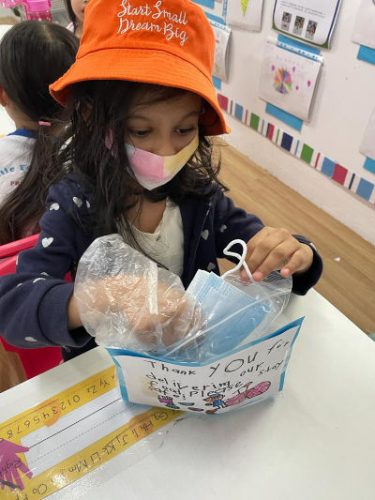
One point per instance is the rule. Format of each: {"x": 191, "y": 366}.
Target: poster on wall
{"x": 221, "y": 63}
{"x": 288, "y": 80}
{"x": 245, "y": 14}
{"x": 312, "y": 21}
{"x": 367, "y": 147}
{"x": 364, "y": 27}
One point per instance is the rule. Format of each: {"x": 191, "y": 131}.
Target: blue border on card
{"x": 369, "y": 165}
{"x": 283, "y": 374}
{"x": 215, "y": 19}
{"x": 206, "y": 3}
{"x": 121, "y": 379}
{"x": 297, "y": 44}
{"x": 366, "y": 54}
{"x": 284, "y": 116}
{"x": 217, "y": 82}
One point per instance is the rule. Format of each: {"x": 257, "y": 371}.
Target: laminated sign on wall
{"x": 245, "y": 14}
{"x": 364, "y": 28}
{"x": 288, "y": 79}
{"x": 368, "y": 144}
{"x": 309, "y": 20}
{"x": 222, "y": 38}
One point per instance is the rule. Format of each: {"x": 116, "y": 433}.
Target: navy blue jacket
{"x": 33, "y": 302}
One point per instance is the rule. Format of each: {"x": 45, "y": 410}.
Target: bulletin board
{"x": 331, "y": 140}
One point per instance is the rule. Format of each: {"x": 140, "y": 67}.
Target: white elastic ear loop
{"x": 241, "y": 258}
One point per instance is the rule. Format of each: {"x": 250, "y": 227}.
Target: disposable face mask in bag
{"x": 232, "y": 317}
{"x": 235, "y": 311}
{"x": 220, "y": 301}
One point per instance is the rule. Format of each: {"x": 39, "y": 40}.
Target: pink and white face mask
{"x": 152, "y": 171}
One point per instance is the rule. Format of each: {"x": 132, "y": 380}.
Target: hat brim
{"x": 146, "y": 66}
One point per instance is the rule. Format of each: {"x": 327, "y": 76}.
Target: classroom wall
{"x": 344, "y": 101}
{"x": 343, "y": 104}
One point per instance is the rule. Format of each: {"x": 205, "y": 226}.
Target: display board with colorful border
{"x": 351, "y": 178}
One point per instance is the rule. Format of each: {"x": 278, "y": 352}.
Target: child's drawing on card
{"x": 249, "y": 393}
{"x": 215, "y": 399}
{"x": 288, "y": 80}
{"x": 168, "y": 402}
{"x": 244, "y": 6}
{"x": 250, "y": 374}
{"x": 245, "y": 14}
{"x": 283, "y": 82}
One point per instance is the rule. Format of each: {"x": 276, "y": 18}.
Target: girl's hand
{"x": 176, "y": 316}
{"x": 275, "y": 248}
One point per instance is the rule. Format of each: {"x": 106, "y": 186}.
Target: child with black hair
{"x": 76, "y": 11}
{"x": 33, "y": 54}
{"x": 140, "y": 164}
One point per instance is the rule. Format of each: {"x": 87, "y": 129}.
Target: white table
{"x": 315, "y": 441}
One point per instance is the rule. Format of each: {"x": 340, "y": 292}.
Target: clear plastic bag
{"x": 234, "y": 312}
{"x": 125, "y": 300}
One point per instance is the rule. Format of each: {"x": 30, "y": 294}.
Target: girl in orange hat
{"x": 140, "y": 164}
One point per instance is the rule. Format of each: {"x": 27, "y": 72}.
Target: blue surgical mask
{"x": 236, "y": 312}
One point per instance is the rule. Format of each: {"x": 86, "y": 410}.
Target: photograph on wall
{"x": 367, "y": 147}
{"x": 310, "y": 20}
{"x": 364, "y": 26}
{"x": 288, "y": 80}
{"x": 221, "y": 63}
{"x": 245, "y": 14}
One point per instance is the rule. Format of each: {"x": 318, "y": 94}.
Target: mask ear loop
{"x": 241, "y": 258}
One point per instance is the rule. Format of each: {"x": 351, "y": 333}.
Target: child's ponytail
{"x": 24, "y": 206}
{"x": 33, "y": 54}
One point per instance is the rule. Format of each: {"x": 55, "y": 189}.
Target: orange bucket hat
{"x": 163, "y": 42}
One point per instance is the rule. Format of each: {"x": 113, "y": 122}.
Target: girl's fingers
{"x": 277, "y": 258}
{"x": 267, "y": 244}
{"x": 272, "y": 249}
{"x": 300, "y": 261}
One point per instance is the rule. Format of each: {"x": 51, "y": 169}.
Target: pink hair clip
{"x": 44, "y": 124}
